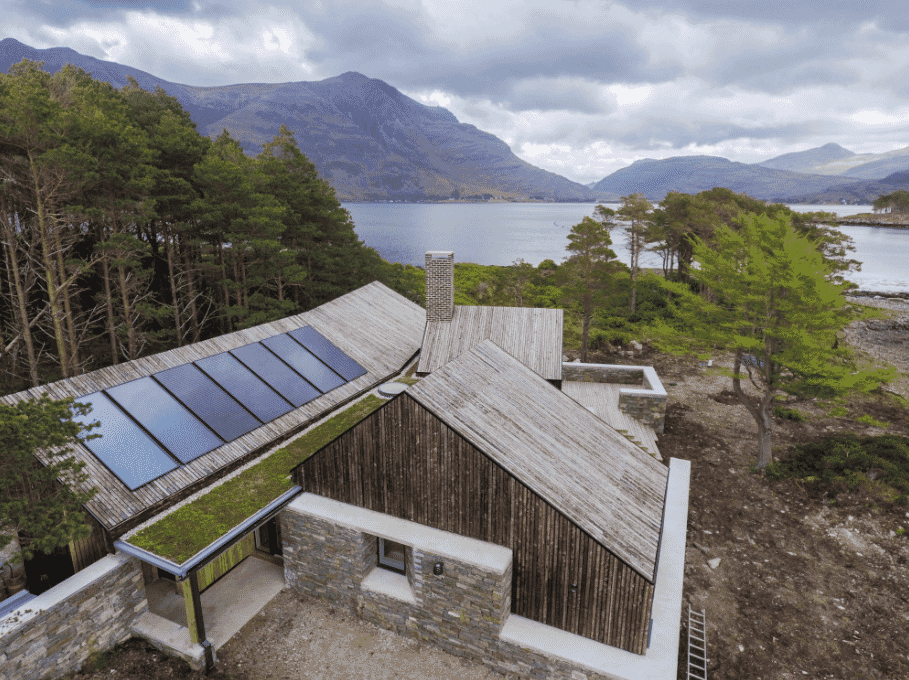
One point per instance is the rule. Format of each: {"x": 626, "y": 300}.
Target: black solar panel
{"x": 149, "y": 404}
{"x": 304, "y": 362}
{"x": 330, "y": 355}
{"x": 244, "y": 386}
{"x": 283, "y": 379}
{"x": 124, "y": 448}
{"x": 201, "y": 395}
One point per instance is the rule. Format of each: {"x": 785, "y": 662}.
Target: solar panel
{"x": 283, "y": 379}
{"x": 244, "y": 386}
{"x": 124, "y": 448}
{"x": 304, "y": 362}
{"x": 149, "y": 404}
{"x": 330, "y": 355}
{"x": 204, "y": 397}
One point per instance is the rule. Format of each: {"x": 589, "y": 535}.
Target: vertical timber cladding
{"x": 403, "y": 461}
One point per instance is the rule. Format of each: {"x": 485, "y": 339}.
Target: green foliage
{"x": 772, "y": 299}
{"x": 867, "y": 419}
{"x": 852, "y": 461}
{"x": 48, "y": 514}
{"x": 587, "y": 274}
{"x": 788, "y": 414}
{"x": 898, "y": 201}
{"x": 181, "y": 534}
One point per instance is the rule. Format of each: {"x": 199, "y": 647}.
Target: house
{"x": 507, "y": 507}
{"x": 495, "y": 510}
{"x": 532, "y": 336}
{"x": 173, "y": 424}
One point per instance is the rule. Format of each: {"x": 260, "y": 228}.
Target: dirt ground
{"x": 805, "y": 588}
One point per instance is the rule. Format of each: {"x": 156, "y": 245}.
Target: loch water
{"x": 500, "y": 233}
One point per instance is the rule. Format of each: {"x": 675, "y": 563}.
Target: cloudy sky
{"x": 578, "y": 87}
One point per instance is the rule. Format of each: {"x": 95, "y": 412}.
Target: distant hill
{"x": 693, "y": 174}
{"x": 808, "y": 161}
{"x": 861, "y": 192}
{"x": 832, "y": 159}
{"x": 367, "y": 139}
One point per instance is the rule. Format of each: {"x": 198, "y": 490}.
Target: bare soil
{"x": 806, "y": 587}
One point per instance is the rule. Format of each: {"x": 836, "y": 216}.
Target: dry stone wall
{"x": 461, "y": 611}
{"x": 90, "y": 612}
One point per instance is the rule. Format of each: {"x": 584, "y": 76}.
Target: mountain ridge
{"x": 693, "y": 174}
{"x": 367, "y": 139}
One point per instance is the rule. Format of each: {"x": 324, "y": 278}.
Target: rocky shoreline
{"x": 884, "y": 339}
{"x": 892, "y": 220}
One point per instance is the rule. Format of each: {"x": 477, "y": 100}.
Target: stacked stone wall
{"x": 90, "y": 612}
{"x": 603, "y": 373}
{"x": 647, "y": 404}
{"x": 462, "y": 611}
{"x": 439, "y": 286}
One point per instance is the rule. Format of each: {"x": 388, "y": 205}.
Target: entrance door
{"x": 268, "y": 537}
{"x": 45, "y": 570}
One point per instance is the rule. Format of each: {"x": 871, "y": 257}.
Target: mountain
{"x": 808, "y": 161}
{"x": 693, "y": 174}
{"x": 862, "y": 192}
{"x": 832, "y": 159}
{"x": 367, "y": 139}
{"x": 872, "y": 165}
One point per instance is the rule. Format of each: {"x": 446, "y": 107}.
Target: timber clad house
{"x": 506, "y": 507}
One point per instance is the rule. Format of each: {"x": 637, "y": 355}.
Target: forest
{"x": 124, "y": 232}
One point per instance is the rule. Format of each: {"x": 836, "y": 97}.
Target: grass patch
{"x": 879, "y": 463}
{"x": 408, "y": 381}
{"x": 183, "y": 533}
{"x": 869, "y": 420}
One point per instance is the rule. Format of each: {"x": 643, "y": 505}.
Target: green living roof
{"x": 184, "y": 532}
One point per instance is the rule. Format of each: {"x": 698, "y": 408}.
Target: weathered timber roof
{"x": 373, "y": 325}
{"x": 592, "y": 474}
{"x": 531, "y": 335}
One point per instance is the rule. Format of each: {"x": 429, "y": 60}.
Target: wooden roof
{"x": 375, "y": 326}
{"x": 592, "y": 474}
{"x": 531, "y": 335}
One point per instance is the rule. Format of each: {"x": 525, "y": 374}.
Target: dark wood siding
{"x": 403, "y": 461}
{"x": 90, "y": 549}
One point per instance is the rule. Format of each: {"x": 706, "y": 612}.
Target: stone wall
{"x": 603, "y": 373}
{"x": 90, "y": 612}
{"x": 646, "y": 404}
{"x": 330, "y": 552}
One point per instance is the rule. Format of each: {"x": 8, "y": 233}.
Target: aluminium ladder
{"x": 697, "y": 645}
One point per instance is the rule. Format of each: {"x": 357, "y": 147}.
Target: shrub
{"x": 788, "y": 414}
{"x": 848, "y": 460}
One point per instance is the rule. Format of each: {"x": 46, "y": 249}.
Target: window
{"x": 391, "y": 555}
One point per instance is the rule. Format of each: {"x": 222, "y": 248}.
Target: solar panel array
{"x": 152, "y": 425}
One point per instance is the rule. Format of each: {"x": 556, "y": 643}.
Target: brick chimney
{"x": 439, "y": 285}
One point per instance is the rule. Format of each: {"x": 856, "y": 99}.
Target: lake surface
{"x": 500, "y": 233}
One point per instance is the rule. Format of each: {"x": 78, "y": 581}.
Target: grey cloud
{"x": 67, "y": 12}
{"x": 886, "y": 13}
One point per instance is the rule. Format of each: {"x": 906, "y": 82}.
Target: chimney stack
{"x": 439, "y": 285}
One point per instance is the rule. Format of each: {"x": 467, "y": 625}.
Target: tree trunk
{"x": 760, "y": 410}
{"x": 168, "y": 247}
{"x": 111, "y": 326}
{"x": 49, "y": 273}
{"x": 193, "y": 310}
{"x": 67, "y": 307}
{"x": 18, "y": 299}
